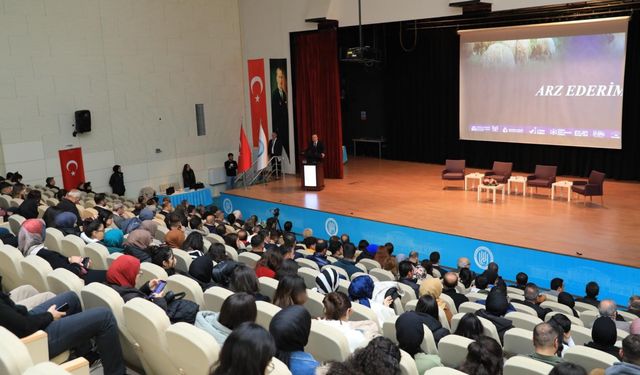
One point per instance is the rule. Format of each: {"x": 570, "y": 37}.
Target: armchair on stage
{"x": 544, "y": 176}
{"x": 453, "y": 170}
{"x": 594, "y": 186}
{"x": 501, "y": 171}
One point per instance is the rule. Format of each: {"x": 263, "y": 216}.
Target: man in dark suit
{"x": 275, "y": 149}
{"x": 68, "y": 204}
{"x": 533, "y": 299}
{"x": 315, "y": 151}
{"x": 449, "y": 283}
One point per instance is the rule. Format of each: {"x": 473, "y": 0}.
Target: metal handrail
{"x": 266, "y": 172}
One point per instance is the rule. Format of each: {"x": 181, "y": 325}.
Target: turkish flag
{"x": 72, "y": 167}
{"x": 244, "y": 156}
{"x": 258, "y": 99}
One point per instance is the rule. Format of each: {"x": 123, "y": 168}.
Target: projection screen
{"x": 557, "y": 84}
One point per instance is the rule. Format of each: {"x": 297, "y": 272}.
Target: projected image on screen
{"x": 558, "y": 84}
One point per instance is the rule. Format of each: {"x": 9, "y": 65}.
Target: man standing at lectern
{"x": 315, "y": 151}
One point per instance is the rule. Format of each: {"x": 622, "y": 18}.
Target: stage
{"x": 412, "y": 195}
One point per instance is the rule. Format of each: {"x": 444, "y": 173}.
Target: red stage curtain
{"x": 317, "y": 96}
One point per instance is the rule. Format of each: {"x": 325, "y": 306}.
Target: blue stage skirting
{"x": 617, "y": 282}
{"x": 194, "y": 197}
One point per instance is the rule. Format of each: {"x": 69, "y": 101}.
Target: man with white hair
{"x": 118, "y": 211}
{"x": 608, "y": 308}
{"x": 68, "y": 204}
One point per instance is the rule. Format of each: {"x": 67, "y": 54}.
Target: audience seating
{"x": 303, "y": 262}
{"x": 382, "y": 275}
{"x": 15, "y": 222}
{"x": 11, "y": 267}
{"x": 407, "y": 364}
{"x": 150, "y": 271}
{"x": 574, "y": 321}
{"x": 100, "y": 295}
{"x": 583, "y": 306}
{"x": 589, "y": 358}
{"x": 214, "y": 298}
{"x": 453, "y": 170}
{"x": 369, "y": 264}
{"x": 357, "y": 274}
{"x": 326, "y": 343}
{"x": 35, "y": 269}
{"x": 450, "y": 304}
{"x": 72, "y": 245}
{"x": 588, "y": 317}
{"x": 5, "y": 201}
{"x": 276, "y": 367}
{"x": 147, "y": 324}
{"x": 622, "y": 334}
{"x": 453, "y": 349}
{"x": 411, "y": 305}
{"x": 520, "y": 365}
{"x": 183, "y": 260}
{"x": 192, "y": 350}
{"x": 555, "y": 306}
{"x": 267, "y": 286}
{"x": 160, "y": 233}
{"x": 512, "y": 290}
{"x": 47, "y": 368}
{"x": 516, "y": 297}
{"x": 215, "y": 238}
{"x": 340, "y": 271}
{"x": 442, "y": 316}
{"x": 180, "y": 283}
{"x": 314, "y": 304}
{"x": 389, "y": 329}
{"x": 594, "y": 186}
{"x": 343, "y": 286}
{"x": 53, "y": 240}
{"x": 550, "y": 297}
{"x": 518, "y": 341}
{"x": 428, "y": 344}
{"x": 362, "y": 267}
{"x": 231, "y": 252}
{"x": 112, "y": 257}
{"x": 525, "y": 309}
{"x": 407, "y": 294}
{"x": 443, "y": 371}
{"x": 98, "y": 254}
{"x": 62, "y": 280}
{"x": 470, "y": 307}
{"x": 248, "y": 258}
{"x": 581, "y": 335}
{"x": 266, "y": 312}
{"x": 523, "y": 320}
{"x": 489, "y": 329}
{"x": 473, "y": 297}
{"x": 41, "y": 210}
{"x": 309, "y": 276}
{"x": 628, "y": 317}
{"x": 362, "y": 312}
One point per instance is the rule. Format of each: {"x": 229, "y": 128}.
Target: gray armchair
{"x": 591, "y": 187}
{"x": 501, "y": 171}
{"x": 453, "y": 170}
{"x": 544, "y": 176}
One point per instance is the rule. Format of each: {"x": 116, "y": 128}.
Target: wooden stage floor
{"x": 411, "y": 194}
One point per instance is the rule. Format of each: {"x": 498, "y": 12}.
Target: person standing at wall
{"x": 188, "y": 177}
{"x": 117, "y": 180}
{"x": 231, "y": 167}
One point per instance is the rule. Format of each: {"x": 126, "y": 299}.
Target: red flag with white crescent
{"x": 244, "y": 155}
{"x": 258, "y": 99}
{"x": 72, "y": 167}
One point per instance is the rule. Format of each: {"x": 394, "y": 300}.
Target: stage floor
{"x": 411, "y": 194}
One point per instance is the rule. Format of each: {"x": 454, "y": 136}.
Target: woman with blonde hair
{"x": 433, "y": 288}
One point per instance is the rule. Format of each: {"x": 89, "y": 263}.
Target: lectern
{"x": 312, "y": 176}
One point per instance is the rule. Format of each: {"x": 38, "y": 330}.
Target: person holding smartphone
{"x": 122, "y": 276}
{"x": 71, "y": 329}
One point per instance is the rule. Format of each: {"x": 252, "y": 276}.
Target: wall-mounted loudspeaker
{"x": 83, "y": 122}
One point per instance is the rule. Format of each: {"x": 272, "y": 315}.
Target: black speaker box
{"x": 197, "y": 186}
{"x": 83, "y": 121}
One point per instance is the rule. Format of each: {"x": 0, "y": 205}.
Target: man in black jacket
{"x": 275, "y": 149}
{"x": 68, "y": 203}
{"x": 70, "y": 330}
{"x": 405, "y": 271}
{"x": 449, "y": 283}
{"x": 533, "y": 299}
{"x": 315, "y": 151}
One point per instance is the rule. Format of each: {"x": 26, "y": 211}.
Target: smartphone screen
{"x": 63, "y": 308}
{"x": 160, "y": 287}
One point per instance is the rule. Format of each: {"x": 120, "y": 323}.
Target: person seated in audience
{"x": 608, "y": 308}
{"x": 118, "y": 212}
{"x": 555, "y": 287}
{"x": 101, "y": 203}
{"x": 563, "y": 323}
{"x": 463, "y": 262}
{"x": 6, "y": 188}
{"x": 137, "y": 243}
{"x": 248, "y": 350}
{"x": 635, "y": 327}
{"x": 70, "y": 330}
{"x": 31, "y": 242}
{"x": 362, "y": 247}
{"x": 175, "y": 236}
{"x": 50, "y": 183}
{"x": 481, "y": 285}
{"x": 93, "y": 232}
{"x": 427, "y": 312}
{"x": 380, "y": 357}
{"x": 433, "y": 288}
{"x": 291, "y": 291}
{"x": 29, "y": 207}
{"x": 335, "y": 246}
{"x": 195, "y": 225}
{"x": 288, "y": 268}
{"x": 347, "y": 262}
{"x": 521, "y": 281}
{"x": 257, "y": 244}
{"x": 19, "y": 191}
{"x": 113, "y": 239}
{"x": 604, "y": 336}
{"x": 236, "y": 309}
{"x": 502, "y": 286}
{"x": 290, "y": 329}
{"x": 634, "y": 305}
{"x": 163, "y": 256}
{"x": 150, "y": 226}
{"x": 405, "y": 271}
{"x": 65, "y": 222}
{"x": 630, "y": 354}
{"x": 592, "y": 290}
{"x": 434, "y": 258}
{"x": 484, "y": 356}
{"x": 568, "y": 368}
{"x": 86, "y": 187}
{"x": 533, "y": 299}
{"x": 327, "y": 281}
{"x": 68, "y": 204}
{"x": 361, "y": 290}
{"x": 391, "y": 265}
{"x": 231, "y": 239}
{"x": 469, "y": 326}
{"x": 310, "y": 244}
{"x": 546, "y": 344}
{"x": 465, "y": 280}
{"x": 449, "y": 283}
{"x": 496, "y": 307}
{"x": 244, "y": 279}
{"x": 201, "y": 269}
{"x": 320, "y": 255}
{"x": 269, "y": 264}
{"x": 122, "y": 276}
{"x": 194, "y": 245}
{"x": 567, "y": 300}
{"x": 209, "y": 220}
{"x": 106, "y": 218}
{"x": 381, "y": 255}
{"x": 410, "y": 333}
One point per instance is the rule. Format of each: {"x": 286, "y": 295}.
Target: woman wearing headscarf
{"x": 146, "y": 214}
{"x": 116, "y": 181}
{"x": 31, "y": 242}
{"x": 201, "y": 270}
{"x": 188, "y": 176}
{"x": 290, "y": 329}
{"x": 113, "y": 239}
{"x": 150, "y": 226}
{"x": 567, "y": 300}
{"x": 433, "y": 288}
{"x": 122, "y": 276}
{"x": 361, "y": 290}
{"x": 137, "y": 243}
{"x": 410, "y": 333}
{"x": 604, "y": 335}
{"x": 496, "y": 307}
{"x": 65, "y": 222}
{"x": 327, "y": 281}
